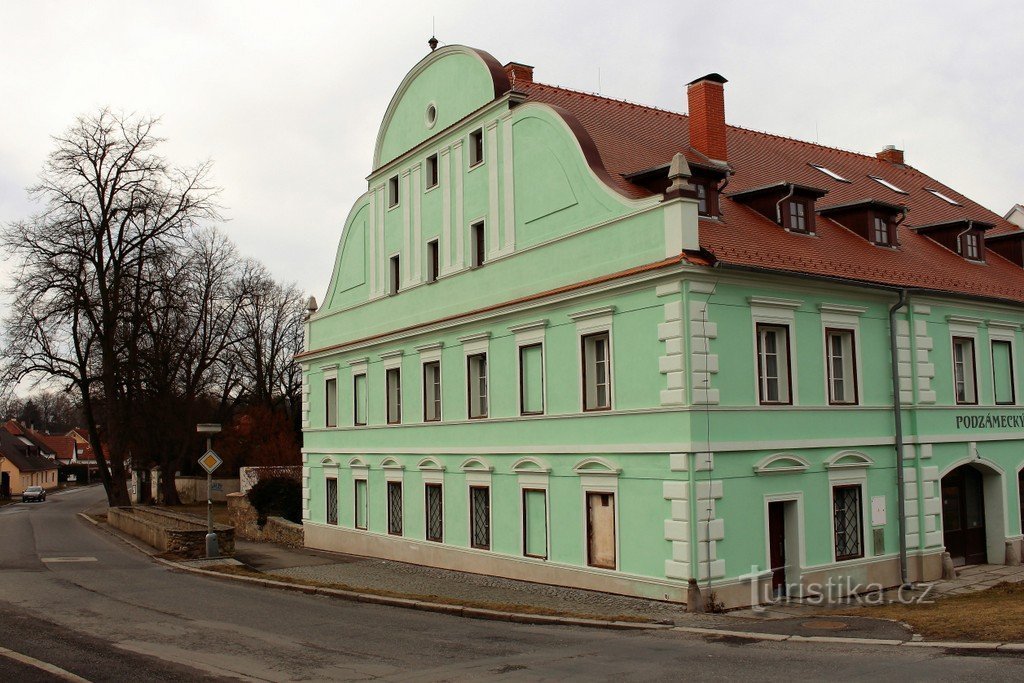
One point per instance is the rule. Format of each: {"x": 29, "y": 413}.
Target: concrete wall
{"x": 170, "y": 531}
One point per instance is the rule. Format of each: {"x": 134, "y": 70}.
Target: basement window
{"x": 829, "y": 172}
{"x": 943, "y": 197}
{"x": 885, "y": 183}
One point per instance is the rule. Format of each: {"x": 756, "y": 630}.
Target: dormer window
{"x": 705, "y": 178}
{"x": 796, "y": 213}
{"x": 963, "y": 237}
{"x": 880, "y": 232}
{"x": 970, "y": 246}
{"x": 788, "y": 204}
{"x": 707, "y": 195}
{"x": 873, "y": 220}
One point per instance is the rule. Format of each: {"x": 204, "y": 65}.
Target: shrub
{"x": 277, "y": 497}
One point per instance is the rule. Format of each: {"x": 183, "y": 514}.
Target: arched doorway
{"x": 963, "y": 516}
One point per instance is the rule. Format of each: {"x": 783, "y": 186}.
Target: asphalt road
{"x": 81, "y": 600}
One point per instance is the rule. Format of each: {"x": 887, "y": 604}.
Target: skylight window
{"x": 830, "y": 173}
{"x": 886, "y": 183}
{"x": 943, "y": 197}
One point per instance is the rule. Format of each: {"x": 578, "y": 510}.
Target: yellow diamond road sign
{"x": 210, "y": 461}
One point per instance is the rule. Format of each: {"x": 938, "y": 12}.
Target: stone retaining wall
{"x": 276, "y": 530}
{"x": 170, "y": 531}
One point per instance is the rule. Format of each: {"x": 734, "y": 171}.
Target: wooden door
{"x": 963, "y": 516}
{"x": 777, "y": 546}
{"x": 601, "y": 530}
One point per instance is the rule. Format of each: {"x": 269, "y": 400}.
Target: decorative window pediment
{"x": 328, "y": 461}
{"x": 391, "y": 464}
{"x": 848, "y": 460}
{"x": 477, "y": 465}
{"x": 530, "y": 466}
{"x": 430, "y": 464}
{"x": 357, "y": 462}
{"x": 596, "y": 466}
{"x": 781, "y": 463}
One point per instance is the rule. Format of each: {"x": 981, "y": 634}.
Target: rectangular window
{"x": 395, "y": 508}
{"x": 601, "y": 530}
{"x": 432, "y": 391}
{"x": 707, "y": 196}
{"x": 331, "y": 402}
{"x": 476, "y": 147}
{"x": 434, "y": 498}
{"x": 394, "y": 393}
{"x": 1002, "y": 372}
{"x": 535, "y": 523}
{"x": 480, "y": 517}
{"x": 773, "y": 364}
{"x": 478, "y": 243}
{"x": 393, "y": 192}
{"x": 797, "y": 214}
{"x": 969, "y": 246}
{"x": 332, "y": 501}
{"x": 847, "y": 516}
{"x": 476, "y": 380}
{"x": 531, "y": 379}
{"x": 964, "y": 376}
{"x": 361, "y": 508}
{"x": 431, "y": 174}
{"x": 842, "y": 367}
{"x": 359, "y": 399}
{"x": 881, "y": 231}
{"x": 394, "y": 274}
{"x": 597, "y": 372}
{"x": 433, "y": 261}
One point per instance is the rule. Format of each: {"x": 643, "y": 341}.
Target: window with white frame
{"x": 842, "y": 366}
{"x": 476, "y": 147}
{"x": 597, "y": 371}
{"x": 359, "y": 399}
{"x": 361, "y": 502}
{"x": 478, "y": 243}
{"x": 394, "y": 274}
{"x": 881, "y": 231}
{"x": 1002, "y": 372}
{"x": 433, "y": 260}
{"x": 332, "y": 500}
{"x": 480, "y": 517}
{"x": 531, "y": 379}
{"x": 395, "y": 508}
{"x": 392, "y": 192}
{"x": 432, "y": 391}
{"x": 847, "y": 515}
{"x": 964, "y": 375}
{"x": 331, "y": 402}
{"x": 431, "y": 171}
{"x": 970, "y": 245}
{"x": 535, "y": 523}
{"x": 476, "y": 384}
{"x": 433, "y": 496}
{"x": 773, "y": 364}
{"x": 394, "y": 395}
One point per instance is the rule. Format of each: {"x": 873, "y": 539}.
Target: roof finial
{"x": 432, "y": 43}
{"x": 679, "y": 173}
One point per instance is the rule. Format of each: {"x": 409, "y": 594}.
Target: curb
{"x": 543, "y": 619}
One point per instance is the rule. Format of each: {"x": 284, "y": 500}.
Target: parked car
{"x": 33, "y": 493}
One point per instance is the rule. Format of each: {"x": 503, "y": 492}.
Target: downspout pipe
{"x": 897, "y": 413}
{"x": 778, "y": 204}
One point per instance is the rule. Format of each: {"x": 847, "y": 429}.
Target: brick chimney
{"x": 706, "y": 101}
{"x": 519, "y": 73}
{"x": 891, "y": 154}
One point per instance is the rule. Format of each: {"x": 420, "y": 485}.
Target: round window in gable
{"x": 431, "y": 115}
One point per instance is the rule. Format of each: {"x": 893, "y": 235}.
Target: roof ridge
{"x": 617, "y": 100}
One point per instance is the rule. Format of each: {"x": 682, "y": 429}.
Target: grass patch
{"x": 236, "y": 570}
{"x": 994, "y": 615}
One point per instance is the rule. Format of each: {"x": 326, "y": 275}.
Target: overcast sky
{"x": 286, "y": 97}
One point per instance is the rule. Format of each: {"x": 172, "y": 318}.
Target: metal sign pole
{"x": 209, "y": 462}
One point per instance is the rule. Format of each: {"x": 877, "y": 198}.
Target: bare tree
{"x": 83, "y": 287}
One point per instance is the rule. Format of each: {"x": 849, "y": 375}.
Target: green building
{"x": 579, "y": 341}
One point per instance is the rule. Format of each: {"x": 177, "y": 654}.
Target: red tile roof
{"x": 631, "y": 138}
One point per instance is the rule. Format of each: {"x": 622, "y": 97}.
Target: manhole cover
{"x": 825, "y": 625}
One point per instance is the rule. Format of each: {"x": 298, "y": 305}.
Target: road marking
{"x": 42, "y": 666}
{"x": 68, "y": 559}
